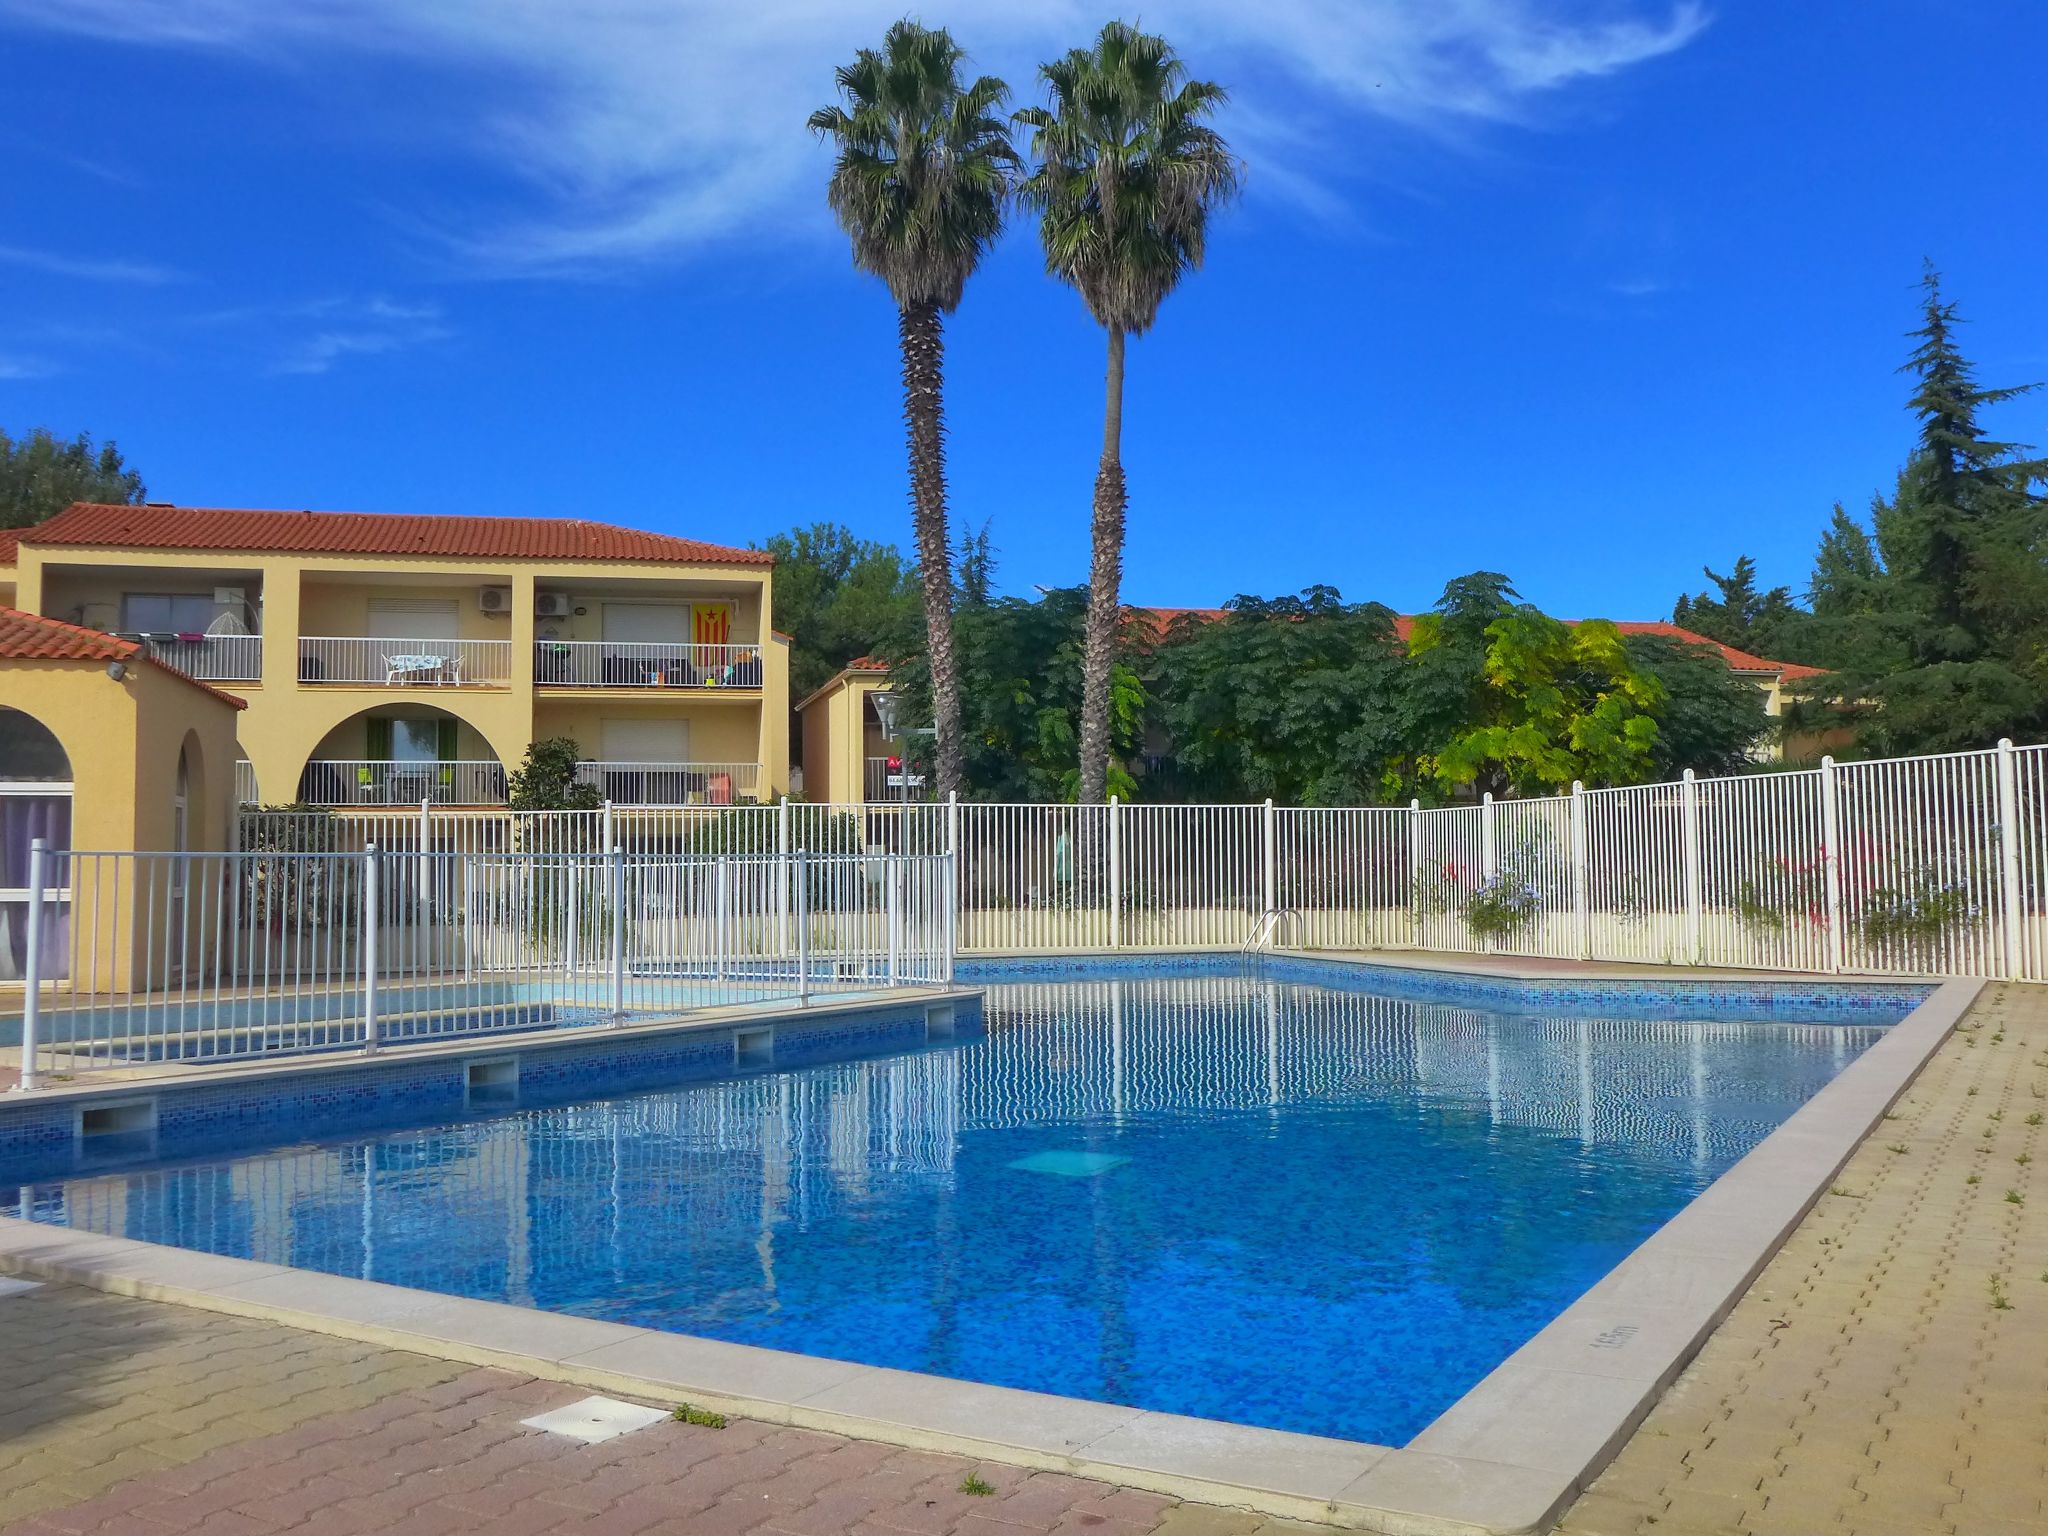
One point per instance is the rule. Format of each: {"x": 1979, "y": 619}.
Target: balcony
{"x": 672, "y": 783}
{"x": 402, "y": 663}
{"x": 208, "y": 658}
{"x": 886, "y": 779}
{"x": 644, "y": 665}
{"x": 343, "y": 782}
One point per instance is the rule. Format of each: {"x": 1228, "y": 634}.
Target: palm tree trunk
{"x": 924, "y": 351}
{"x": 1105, "y": 576}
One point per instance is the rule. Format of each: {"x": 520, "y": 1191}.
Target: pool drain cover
{"x": 596, "y": 1419}
{"x": 1069, "y": 1165}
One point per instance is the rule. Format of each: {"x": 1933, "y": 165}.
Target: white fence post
{"x": 617, "y": 863}
{"x": 368, "y": 946}
{"x": 1689, "y": 827}
{"x": 1831, "y": 858}
{"x": 1487, "y": 851}
{"x": 782, "y": 877}
{"x": 952, "y": 886}
{"x": 723, "y": 918}
{"x": 424, "y": 883}
{"x": 1271, "y": 872}
{"x": 1415, "y": 874}
{"x": 1116, "y": 873}
{"x": 2015, "y": 911}
{"x": 32, "y": 977}
{"x": 607, "y": 835}
{"x": 572, "y": 941}
{"x": 893, "y": 897}
{"x": 803, "y": 926}
{"x": 1582, "y": 905}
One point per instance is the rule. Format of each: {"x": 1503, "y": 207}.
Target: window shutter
{"x": 379, "y": 741}
{"x": 445, "y": 740}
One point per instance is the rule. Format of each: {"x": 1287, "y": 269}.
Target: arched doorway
{"x": 403, "y": 754}
{"x": 35, "y": 802}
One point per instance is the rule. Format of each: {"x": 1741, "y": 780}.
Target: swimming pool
{"x": 1271, "y": 1202}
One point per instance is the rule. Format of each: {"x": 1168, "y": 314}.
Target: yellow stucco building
{"x": 389, "y": 660}
{"x": 845, "y": 756}
{"x": 102, "y": 750}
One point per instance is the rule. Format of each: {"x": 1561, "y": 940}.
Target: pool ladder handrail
{"x": 1266, "y": 932}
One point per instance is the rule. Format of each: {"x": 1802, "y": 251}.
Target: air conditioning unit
{"x": 494, "y": 599}
{"x": 552, "y": 605}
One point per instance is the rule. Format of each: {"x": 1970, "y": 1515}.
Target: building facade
{"x": 390, "y": 660}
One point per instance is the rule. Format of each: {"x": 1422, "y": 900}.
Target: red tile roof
{"x": 372, "y": 533}
{"x": 1738, "y": 660}
{"x": 9, "y": 537}
{"x": 31, "y": 637}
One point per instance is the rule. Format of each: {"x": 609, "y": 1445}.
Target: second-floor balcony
{"x": 207, "y": 657}
{"x": 672, "y": 783}
{"x": 644, "y": 664}
{"x": 363, "y": 661}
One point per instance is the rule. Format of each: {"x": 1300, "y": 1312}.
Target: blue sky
{"x": 1592, "y": 292}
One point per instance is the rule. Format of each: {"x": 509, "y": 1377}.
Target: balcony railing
{"x": 886, "y": 780}
{"x": 246, "y": 790}
{"x": 673, "y": 783}
{"x": 405, "y": 663}
{"x": 338, "y": 782}
{"x": 623, "y": 664}
{"x": 209, "y": 658}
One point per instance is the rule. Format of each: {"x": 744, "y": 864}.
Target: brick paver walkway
{"x": 1888, "y": 1373}
{"x": 1873, "y": 1383}
{"x": 135, "y": 1418}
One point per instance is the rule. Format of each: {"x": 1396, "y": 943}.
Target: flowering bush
{"x": 1504, "y": 905}
{"x": 1918, "y": 916}
{"x": 1780, "y": 889}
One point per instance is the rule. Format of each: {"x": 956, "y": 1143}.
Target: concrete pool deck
{"x": 1507, "y": 1457}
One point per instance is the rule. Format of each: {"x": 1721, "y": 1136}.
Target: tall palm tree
{"x": 925, "y": 167}
{"x": 1128, "y": 172}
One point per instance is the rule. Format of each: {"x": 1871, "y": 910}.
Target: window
{"x": 35, "y": 801}
{"x": 166, "y": 613}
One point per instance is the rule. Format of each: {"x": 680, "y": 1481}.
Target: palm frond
{"x": 925, "y": 166}
{"x": 1128, "y": 171}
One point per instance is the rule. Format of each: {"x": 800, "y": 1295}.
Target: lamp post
{"x": 888, "y": 708}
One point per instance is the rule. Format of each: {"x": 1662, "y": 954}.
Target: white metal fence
{"x": 140, "y": 958}
{"x": 1914, "y": 865}
{"x": 1907, "y": 866}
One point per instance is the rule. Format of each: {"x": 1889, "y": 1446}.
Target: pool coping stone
{"x": 1505, "y": 1459}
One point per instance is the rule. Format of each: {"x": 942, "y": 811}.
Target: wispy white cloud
{"x": 647, "y": 126}
{"x": 346, "y": 328}
{"x": 16, "y": 366}
{"x": 1639, "y": 287}
{"x": 87, "y": 268}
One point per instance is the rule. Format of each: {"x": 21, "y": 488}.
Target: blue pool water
{"x": 1277, "y": 1204}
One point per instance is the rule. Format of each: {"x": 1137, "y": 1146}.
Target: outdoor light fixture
{"x": 117, "y": 670}
{"x": 886, "y": 706}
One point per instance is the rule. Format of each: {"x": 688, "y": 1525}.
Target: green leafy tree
{"x": 1554, "y": 702}
{"x": 1711, "y": 718}
{"x": 924, "y": 167}
{"x": 1021, "y": 665}
{"x": 837, "y": 597}
{"x": 1296, "y": 698}
{"x": 41, "y": 475}
{"x": 1129, "y": 170}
